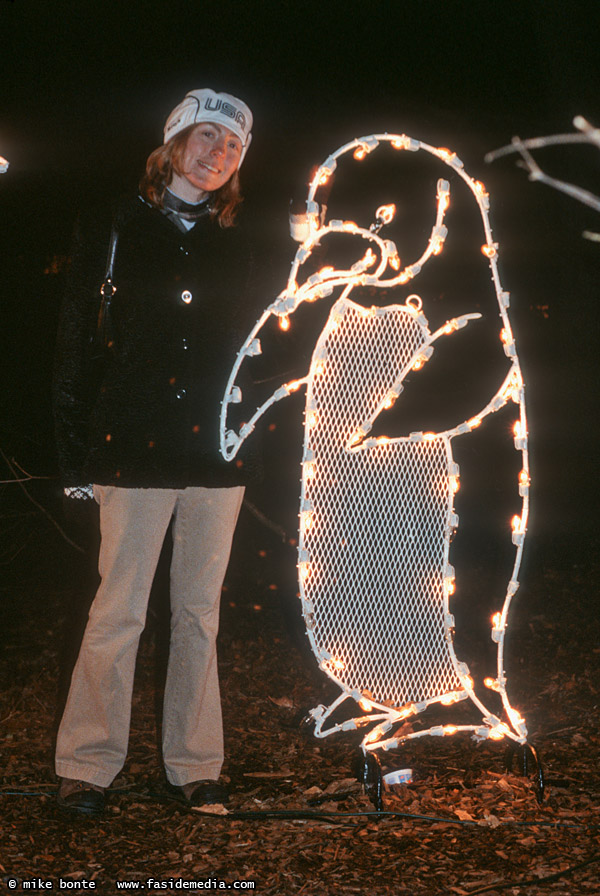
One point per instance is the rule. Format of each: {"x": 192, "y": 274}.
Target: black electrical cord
{"x": 301, "y": 815}
{"x": 316, "y": 814}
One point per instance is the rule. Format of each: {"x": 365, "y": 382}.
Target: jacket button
{"x": 186, "y": 296}
{"x": 181, "y": 393}
{"x": 185, "y": 344}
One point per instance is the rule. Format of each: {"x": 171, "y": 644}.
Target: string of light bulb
{"x": 381, "y": 267}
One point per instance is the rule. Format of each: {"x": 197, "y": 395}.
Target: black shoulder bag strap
{"x": 107, "y": 291}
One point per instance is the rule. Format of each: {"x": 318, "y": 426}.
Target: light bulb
{"x": 448, "y": 699}
{"x": 490, "y": 250}
{"x": 385, "y": 213}
{"x": 497, "y": 733}
{"x": 444, "y": 201}
{"x": 306, "y": 520}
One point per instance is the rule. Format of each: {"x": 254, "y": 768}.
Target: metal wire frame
{"x": 381, "y": 712}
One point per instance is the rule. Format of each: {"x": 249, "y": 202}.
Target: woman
{"x": 138, "y": 418}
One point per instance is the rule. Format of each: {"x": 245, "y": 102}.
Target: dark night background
{"x": 86, "y": 87}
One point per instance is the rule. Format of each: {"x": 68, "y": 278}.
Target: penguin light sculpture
{"x": 377, "y": 513}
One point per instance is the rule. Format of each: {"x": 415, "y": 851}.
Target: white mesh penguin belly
{"x": 377, "y": 514}
{"x": 372, "y": 535}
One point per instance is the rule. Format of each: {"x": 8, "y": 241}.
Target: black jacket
{"x": 145, "y": 412}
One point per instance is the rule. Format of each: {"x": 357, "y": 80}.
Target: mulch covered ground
{"x": 299, "y": 821}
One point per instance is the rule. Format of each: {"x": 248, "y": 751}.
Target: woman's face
{"x": 212, "y": 154}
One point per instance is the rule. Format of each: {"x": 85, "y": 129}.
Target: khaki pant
{"x": 94, "y": 731}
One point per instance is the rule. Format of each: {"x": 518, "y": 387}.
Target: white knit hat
{"x": 206, "y": 105}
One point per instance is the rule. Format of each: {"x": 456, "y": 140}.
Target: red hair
{"x": 166, "y": 160}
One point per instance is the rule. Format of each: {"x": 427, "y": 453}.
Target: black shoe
{"x": 81, "y": 796}
{"x": 202, "y": 793}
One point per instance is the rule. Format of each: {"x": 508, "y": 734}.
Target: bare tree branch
{"x": 35, "y": 503}
{"x": 536, "y": 143}
{"x": 28, "y": 476}
{"x": 588, "y": 134}
{"x": 536, "y": 173}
